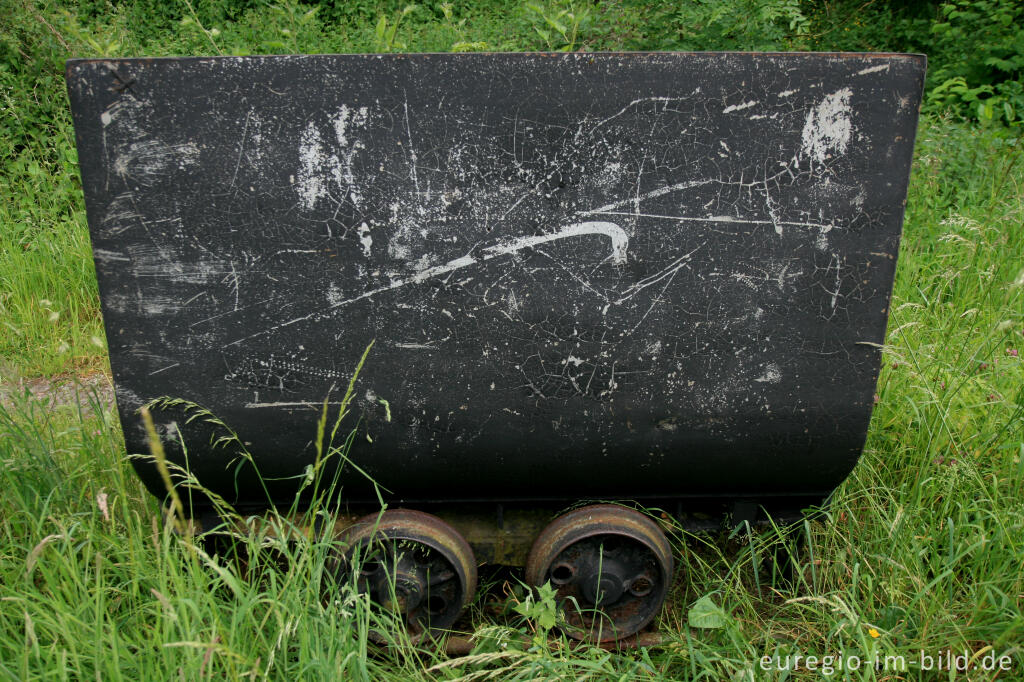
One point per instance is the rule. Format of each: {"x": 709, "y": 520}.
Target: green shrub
{"x": 978, "y": 59}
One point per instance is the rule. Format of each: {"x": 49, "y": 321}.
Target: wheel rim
{"x": 413, "y": 564}
{"x": 610, "y": 566}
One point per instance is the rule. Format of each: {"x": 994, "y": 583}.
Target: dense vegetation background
{"x": 975, "y": 50}
{"x": 918, "y": 553}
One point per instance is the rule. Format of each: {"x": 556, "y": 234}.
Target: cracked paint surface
{"x": 619, "y": 275}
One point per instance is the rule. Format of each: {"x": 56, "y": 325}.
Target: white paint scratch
{"x": 317, "y": 167}
{"x": 290, "y": 404}
{"x": 821, "y": 241}
{"x": 632, "y": 104}
{"x": 827, "y": 127}
{"x": 618, "y": 237}
{"x": 412, "y": 149}
{"x": 341, "y": 122}
{"x": 671, "y": 270}
{"x": 311, "y": 162}
{"x": 149, "y": 161}
{"x": 661, "y": 191}
{"x": 835, "y": 294}
{"x": 365, "y": 239}
{"x": 722, "y": 219}
{"x": 164, "y": 369}
{"x": 241, "y": 147}
{"x": 739, "y": 107}
{"x": 281, "y": 251}
{"x": 873, "y": 69}
{"x": 105, "y": 256}
{"x": 771, "y": 375}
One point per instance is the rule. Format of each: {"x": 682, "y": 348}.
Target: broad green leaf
{"x": 706, "y": 614}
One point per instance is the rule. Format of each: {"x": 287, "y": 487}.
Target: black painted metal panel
{"x": 586, "y": 275}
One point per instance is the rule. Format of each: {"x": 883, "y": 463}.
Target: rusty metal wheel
{"x": 611, "y": 567}
{"x": 414, "y": 564}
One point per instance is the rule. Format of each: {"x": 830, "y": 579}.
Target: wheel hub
{"x": 604, "y": 586}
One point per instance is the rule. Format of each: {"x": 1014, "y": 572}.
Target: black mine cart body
{"x": 658, "y": 278}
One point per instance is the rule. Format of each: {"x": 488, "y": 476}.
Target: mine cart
{"x": 635, "y": 281}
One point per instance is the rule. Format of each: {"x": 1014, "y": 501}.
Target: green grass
{"x": 49, "y": 313}
{"x": 922, "y": 545}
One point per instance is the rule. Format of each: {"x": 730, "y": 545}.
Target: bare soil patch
{"x": 61, "y": 390}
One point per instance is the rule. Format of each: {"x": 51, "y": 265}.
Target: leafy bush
{"x": 978, "y": 58}
{"x": 741, "y": 24}
{"x": 975, "y": 48}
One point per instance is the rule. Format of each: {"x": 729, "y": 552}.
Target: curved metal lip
{"x": 643, "y": 524}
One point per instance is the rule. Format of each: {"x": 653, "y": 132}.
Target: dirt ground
{"x": 61, "y": 390}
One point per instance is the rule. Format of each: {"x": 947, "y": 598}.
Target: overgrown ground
{"x": 920, "y": 551}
